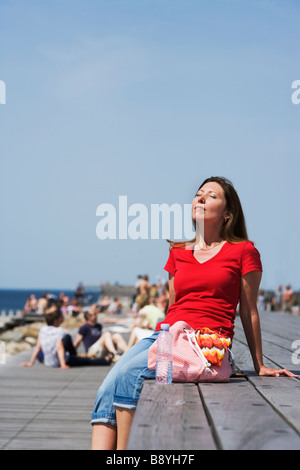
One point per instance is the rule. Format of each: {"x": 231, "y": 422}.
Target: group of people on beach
{"x": 73, "y": 306}
{"x": 56, "y": 348}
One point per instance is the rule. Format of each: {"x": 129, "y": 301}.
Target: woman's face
{"x": 209, "y": 204}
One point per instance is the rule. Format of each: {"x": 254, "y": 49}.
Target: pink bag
{"x": 189, "y": 363}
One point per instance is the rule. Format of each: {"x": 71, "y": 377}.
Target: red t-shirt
{"x": 207, "y": 294}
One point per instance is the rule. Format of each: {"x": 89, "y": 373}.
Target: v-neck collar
{"x": 210, "y": 259}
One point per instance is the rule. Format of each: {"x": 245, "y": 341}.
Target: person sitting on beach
{"x": 31, "y": 304}
{"x": 103, "y": 304}
{"x": 95, "y": 342}
{"x": 208, "y": 276}
{"x": 65, "y": 307}
{"x": 42, "y": 304}
{"x": 145, "y": 323}
{"x": 116, "y": 307}
{"x": 57, "y": 347}
{"x": 74, "y": 308}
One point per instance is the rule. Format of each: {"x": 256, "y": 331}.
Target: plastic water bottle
{"x": 164, "y": 356}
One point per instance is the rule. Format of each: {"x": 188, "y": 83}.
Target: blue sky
{"x": 146, "y": 99}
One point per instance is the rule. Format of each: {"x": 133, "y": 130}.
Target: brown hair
{"x": 52, "y": 315}
{"x": 234, "y": 228}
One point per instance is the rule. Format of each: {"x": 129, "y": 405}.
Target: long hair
{"x": 234, "y": 229}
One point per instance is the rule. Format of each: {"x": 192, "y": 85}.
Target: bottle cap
{"x": 165, "y": 326}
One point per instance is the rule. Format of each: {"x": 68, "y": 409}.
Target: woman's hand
{"x": 267, "y": 371}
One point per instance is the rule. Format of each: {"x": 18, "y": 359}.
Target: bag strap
{"x": 232, "y": 359}
{"x": 195, "y": 346}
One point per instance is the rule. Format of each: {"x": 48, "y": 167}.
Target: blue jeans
{"x": 123, "y": 384}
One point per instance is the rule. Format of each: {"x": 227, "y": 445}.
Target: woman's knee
{"x": 132, "y": 375}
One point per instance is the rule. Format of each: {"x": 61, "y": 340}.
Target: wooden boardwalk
{"x": 256, "y": 413}
{"x": 44, "y": 408}
{"x": 47, "y": 409}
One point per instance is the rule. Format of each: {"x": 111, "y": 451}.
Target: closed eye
{"x": 210, "y": 194}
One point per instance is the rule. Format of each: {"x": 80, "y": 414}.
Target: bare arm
{"x": 77, "y": 340}
{"x": 251, "y": 323}
{"x": 171, "y": 290}
{"x": 61, "y": 354}
{"x": 34, "y": 355}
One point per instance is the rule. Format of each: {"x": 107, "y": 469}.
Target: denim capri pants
{"x": 123, "y": 384}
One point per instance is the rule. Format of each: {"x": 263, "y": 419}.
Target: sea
{"x": 15, "y": 299}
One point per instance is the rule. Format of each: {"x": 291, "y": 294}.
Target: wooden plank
{"x": 280, "y": 328}
{"x": 243, "y": 420}
{"x": 281, "y": 323}
{"x": 276, "y": 354}
{"x": 272, "y": 356}
{"x": 282, "y": 393}
{"x": 170, "y": 417}
{"x": 47, "y": 408}
{"x": 277, "y": 345}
